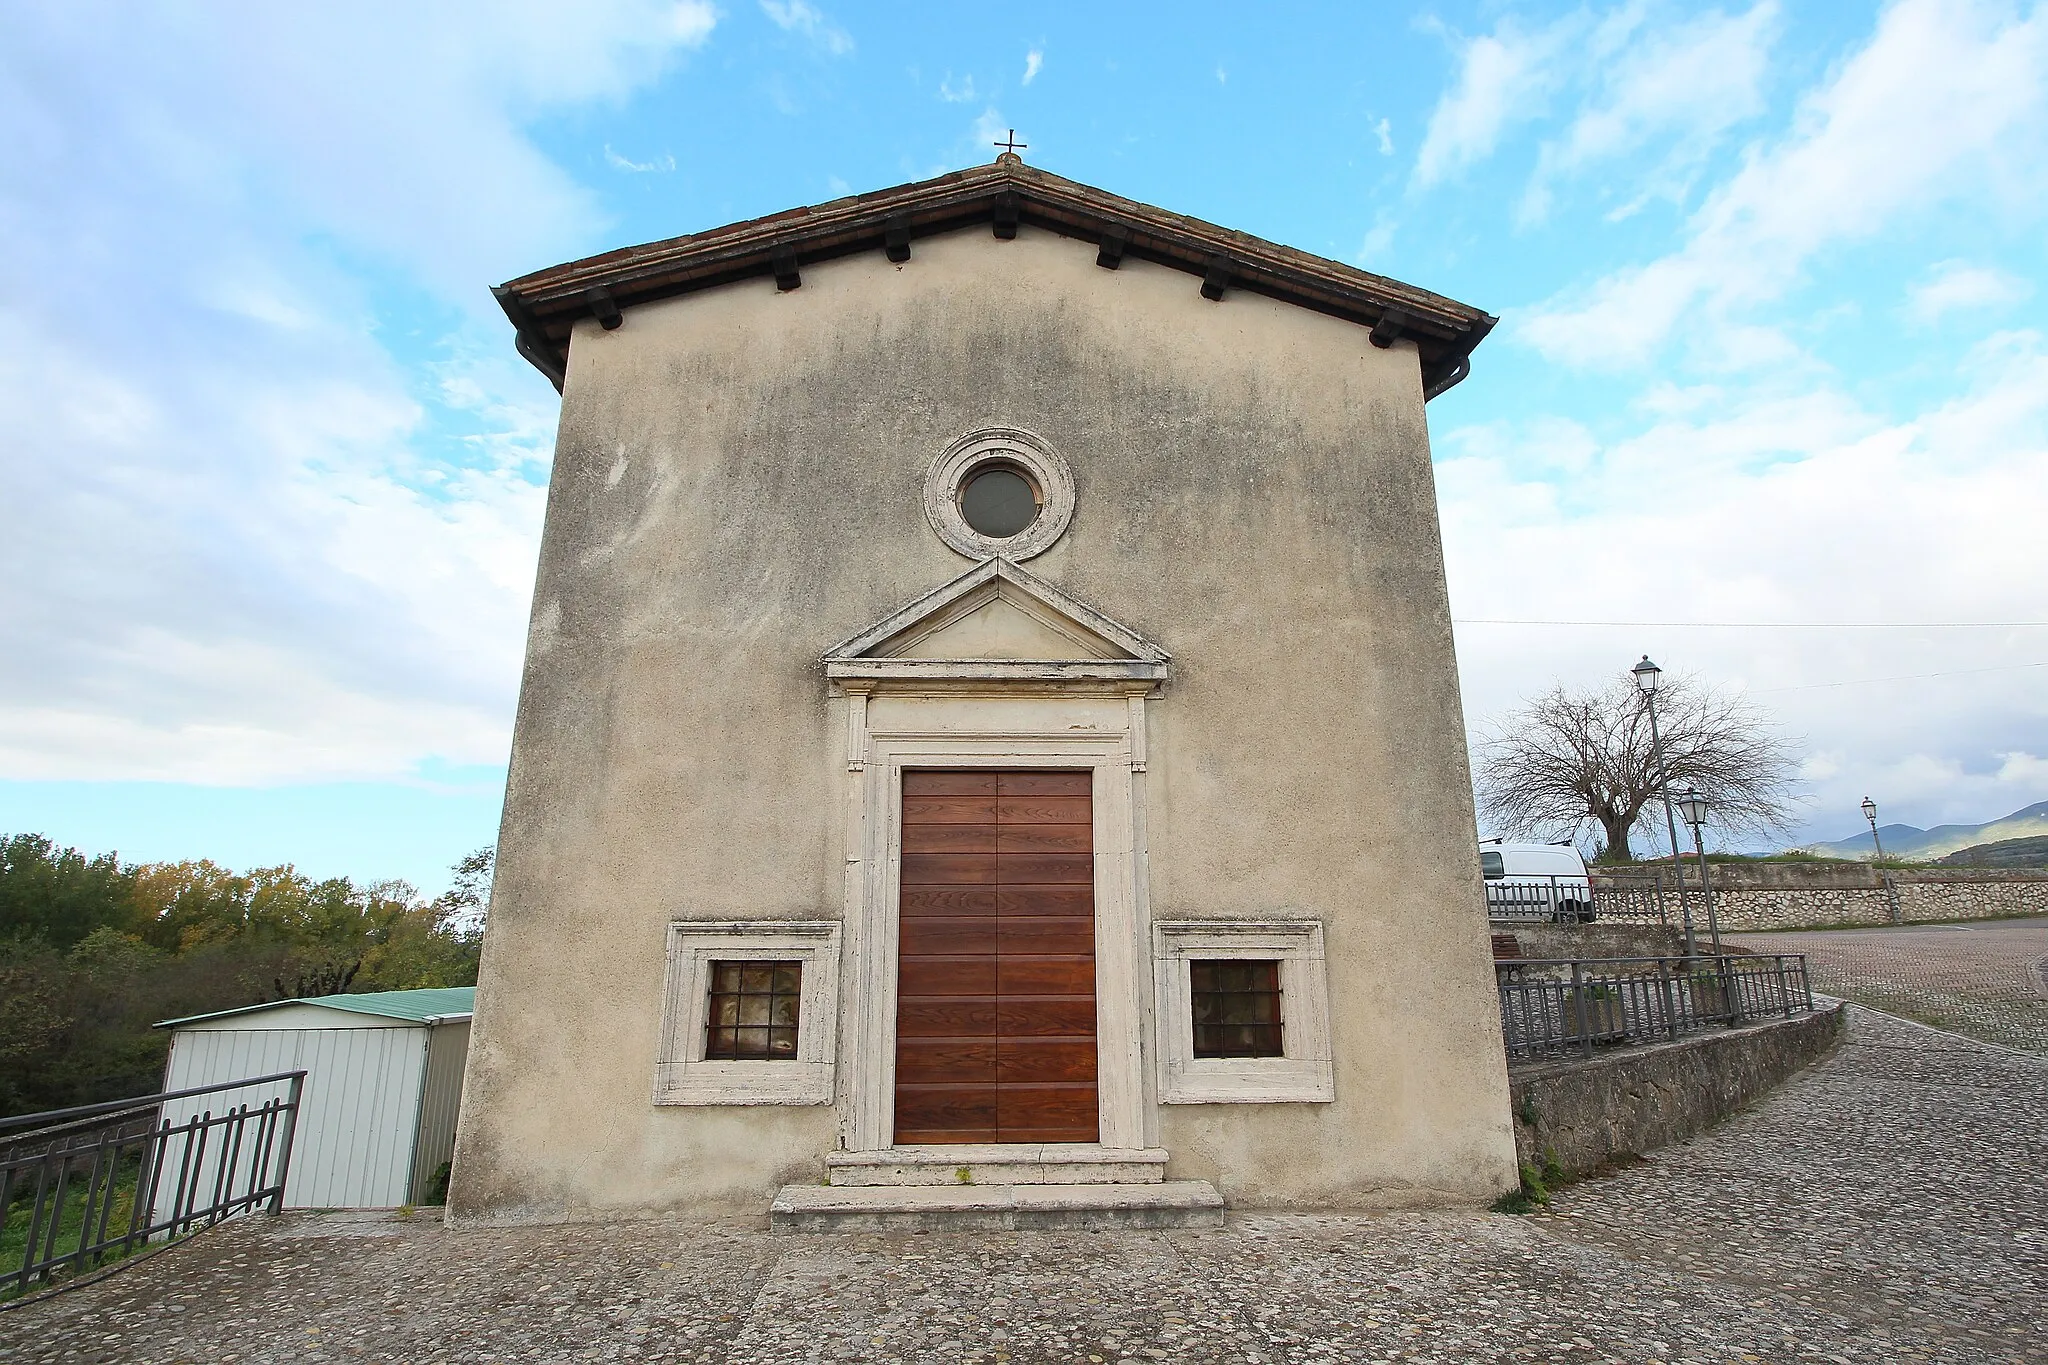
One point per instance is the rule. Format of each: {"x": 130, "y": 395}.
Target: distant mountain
{"x": 2029, "y": 852}
{"x": 1907, "y": 841}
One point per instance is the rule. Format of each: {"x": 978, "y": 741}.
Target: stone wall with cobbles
{"x": 1634, "y": 1100}
{"x": 1834, "y": 895}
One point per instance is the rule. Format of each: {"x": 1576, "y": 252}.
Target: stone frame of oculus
{"x": 999, "y": 492}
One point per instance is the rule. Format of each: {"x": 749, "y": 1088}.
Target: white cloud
{"x": 2026, "y": 772}
{"x": 809, "y": 23}
{"x": 1948, "y": 98}
{"x": 1503, "y": 77}
{"x": 664, "y": 162}
{"x": 1684, "y": 85}
{"x": 1383, "y": 133}
{"x": 988, "y": 131}
{"x": 1953, "y": 285}
{"x": 1034, "y": 62}
{"x": 1791, "y": 506}
{"x": 961, "y": 92}
{"x": 251, "y": 543}
{"x": 1379, "y": 241}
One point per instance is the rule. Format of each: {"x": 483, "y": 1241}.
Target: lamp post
{"x": 1870, "y": 814}
{"x": 1694, "y": 807}
{"x": 1646, "y": 676}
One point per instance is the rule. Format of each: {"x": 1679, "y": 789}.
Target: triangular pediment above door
{"x": 998, "y": 622}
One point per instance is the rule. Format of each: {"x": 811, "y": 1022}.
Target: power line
{"x": 1764, "y": 625}
{"x": 1907, "y": 677}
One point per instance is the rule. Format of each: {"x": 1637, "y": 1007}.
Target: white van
{"x": 1536, "y": 881}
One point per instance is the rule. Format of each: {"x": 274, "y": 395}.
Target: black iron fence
{"x": 1566, "y": 1007}
{"x": 1649, "y": 895}
{"x": 1646, "y": 895}
{"x": 1549, "y": 900}
{"x": 82, "y": 1187}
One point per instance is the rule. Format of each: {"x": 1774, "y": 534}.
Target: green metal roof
{"x": 414, "y": 1007}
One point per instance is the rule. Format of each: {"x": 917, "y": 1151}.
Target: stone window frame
{"x": 683, "y": 1075}
{"x": 1014, "y": 446}
{"x": 1304, "y": 1073}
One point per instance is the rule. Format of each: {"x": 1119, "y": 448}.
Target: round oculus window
{"x": 999, "y": 491}
{"x": 998, "y": 501}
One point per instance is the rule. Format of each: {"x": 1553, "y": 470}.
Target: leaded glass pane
{"x": 752, "y": 1013}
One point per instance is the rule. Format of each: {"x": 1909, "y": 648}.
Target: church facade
{"x": 990, "y": 733}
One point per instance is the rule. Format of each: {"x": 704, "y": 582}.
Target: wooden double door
{"x": 995, "y": 987}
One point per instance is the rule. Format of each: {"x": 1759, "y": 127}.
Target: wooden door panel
{"x": 942, "y": 783}
{"x": 950, "y": 900}
{"x": 947, "y": 976}
{"x": 996, "y": 1012}
{"x": 949, "y": 869}
{"x": 949, "y": 810}
{"x": 1045, "y": 784}
{"x": 1022, "y": 1017}
{"x": 952, "y": 1061}
{"x": 945, "y": 1113}
{"x": 1038, "y": 838}
{"x": 948, "y": 1017}
{"x": 1067, "y": 935}
{"x": 1027, "y": 976}
{"x": 1043, "y": 810}
{"x": 949, "y": 936}
{"x": 1047, "y": 1112}
{"x": 1045, "y": 1059}
{"x": 1043, "y": 869}
{"x": 955, "y": 839}
{"x": 1045, "y": 900}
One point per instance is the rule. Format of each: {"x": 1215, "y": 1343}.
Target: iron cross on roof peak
{"x": 1010, "y": 146}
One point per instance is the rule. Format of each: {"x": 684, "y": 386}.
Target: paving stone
{"x": 1986, "y": 979}
{"x": 1885, "y": 1206}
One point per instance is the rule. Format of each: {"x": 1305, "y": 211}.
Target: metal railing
{"x": 1551, "y": 900}
{"x": 1645, "y": 895}
{"x": 1569, "y": 1006}
{"x": 1650, "y": 898}
{"x": 90, "y": 1185}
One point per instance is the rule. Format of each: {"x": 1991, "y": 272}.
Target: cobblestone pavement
{"x": 1988, "y": 979}
{"x": 1885, "y": 1206}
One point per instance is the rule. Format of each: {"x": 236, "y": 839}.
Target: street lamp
{"x": 1646, "y": 675}
{"x": 1694, "y": 807}
{"x": 1870, "y": 814}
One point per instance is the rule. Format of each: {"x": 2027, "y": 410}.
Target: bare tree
{"x": 1573, "y": 759}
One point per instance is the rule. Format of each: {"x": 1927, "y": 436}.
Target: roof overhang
{"x": 545, "y": 306}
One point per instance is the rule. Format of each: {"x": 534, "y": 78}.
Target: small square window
{"x": 753, "y": 1013}
{"x": 1236, "y": 1007}
{"x": 736, "y": 994}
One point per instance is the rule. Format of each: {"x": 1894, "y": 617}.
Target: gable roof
{"x": 545, "y": 305}
{"x": 1101, "y": 649}
{"x": 429, "y": 1005}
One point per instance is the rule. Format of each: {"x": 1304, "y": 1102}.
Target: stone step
{"x": 1011, "y": 1163}
{"x": 960, "y": 1208}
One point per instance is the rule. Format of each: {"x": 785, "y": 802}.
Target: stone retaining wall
{"x": 1634, "y": 1100}
{"x": 1750, "y": 896}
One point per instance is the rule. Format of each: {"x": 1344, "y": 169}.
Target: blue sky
{"x": 1771, "y": 281}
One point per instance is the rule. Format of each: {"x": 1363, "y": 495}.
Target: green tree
{"x": 59, "y": 895}
{"x": 93, "y": 955}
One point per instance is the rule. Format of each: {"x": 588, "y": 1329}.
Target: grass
{"x": 1539, "y": 1183}
{"x": 14, "y": 1231}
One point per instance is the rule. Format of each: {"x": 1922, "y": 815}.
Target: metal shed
{"x": 383, "y": 1082}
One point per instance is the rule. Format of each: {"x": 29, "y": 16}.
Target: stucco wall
{"x": 736, "y": 488}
